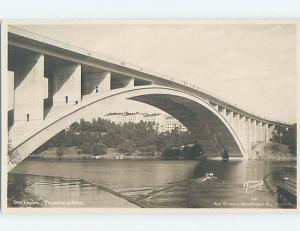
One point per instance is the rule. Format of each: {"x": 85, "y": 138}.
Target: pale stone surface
{"x": 29, "y": 93}
{"x": 96, "y": 83}
{"x": 11, "y": 91}
{"x": 66, "y": 84}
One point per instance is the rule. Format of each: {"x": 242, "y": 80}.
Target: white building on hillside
{"x": 162, "y": 123}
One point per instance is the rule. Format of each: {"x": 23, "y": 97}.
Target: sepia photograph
{"x": 149, "y": 114}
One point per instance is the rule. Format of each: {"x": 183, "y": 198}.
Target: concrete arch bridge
{"x": 51, "y": 85}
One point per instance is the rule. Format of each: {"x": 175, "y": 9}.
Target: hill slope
{"x": 272, "y": 151}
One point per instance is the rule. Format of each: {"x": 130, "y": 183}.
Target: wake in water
{"x": 202, "y": 193}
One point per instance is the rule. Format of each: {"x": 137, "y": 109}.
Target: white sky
{"x": 253, "y": 66}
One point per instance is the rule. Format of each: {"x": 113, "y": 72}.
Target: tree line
{"x": 286, "y": 136}
{"x": 96, "y": 136}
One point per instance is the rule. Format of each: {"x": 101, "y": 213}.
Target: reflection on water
{"x": 149, "y": 183}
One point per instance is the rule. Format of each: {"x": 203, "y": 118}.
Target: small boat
{"x": 208, "y": 176}
{"x": 225, "y": 154}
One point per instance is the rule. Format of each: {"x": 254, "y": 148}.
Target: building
{"x": 162, "y": 123}
{"x": 172, "y": 123}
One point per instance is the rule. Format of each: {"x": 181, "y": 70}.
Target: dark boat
{"x": 225, "y": 154}
{"x": 185, "y": 152}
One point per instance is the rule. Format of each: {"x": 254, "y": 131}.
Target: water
{"x": 147, "y": 183}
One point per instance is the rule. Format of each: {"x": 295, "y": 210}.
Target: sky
{"x": 250, "y": 65}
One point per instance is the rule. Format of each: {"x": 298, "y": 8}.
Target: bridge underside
{"x": 212, "y": 134}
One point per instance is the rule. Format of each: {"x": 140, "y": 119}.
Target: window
{"x": 67, "y": 99}
{"x": 27, "y": 117}
{"x": 97, "y": 90}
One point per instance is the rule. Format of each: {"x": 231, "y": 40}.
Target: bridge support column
{"x": 222, "y": 111}
{"x": 29, "y": 87}
{"x": 229, "y": 117}
{"x": 259, "y": 131}
{"x": 242, "y": 131}
{"x": 95, "y": 83}
{"x": 120, "y": 81}
{"x": 66, "y": 85}
{"x": 236, "y": 123}
{"x": 128, "y": 82}
{"x": 254, "y": 133}
{"x": 11, "y": 97}
{"x": 267, "y": 132}
{"x": 105, "y": 82}
{"x": 249, "y": 134}
{"x": 264, "y": 134}
{"x": 271, "y": 128}
{"x": 11, "y": 90}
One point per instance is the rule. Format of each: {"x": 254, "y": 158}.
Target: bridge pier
{"x": 248, "y": 134}
{"x": 95, "y": 83}
{"x": 229, "y": 117}
{"x": 66, "y": 85}
{"x": 258, "y": 131}
{"x": 120, "y": 81}
{"x": 253, "y": 132}
{"x": 267, "y": 130}
{"x": 11, "y": 97}
{"x": 270, "y": 129}
{"x": 216, "y": 106}
{"x": 235, "y": 122}
{"x": 222, "y": 111}
{"x": 264, "y": 136}
{"x": 243, "y": 131}
{"x": 11, "y": 90}
{"x": 29, "y": 89}
{"x": 129, "y": 82}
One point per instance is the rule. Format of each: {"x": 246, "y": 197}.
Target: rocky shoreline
{"x": 75, "y": 153}
{"x": 264, "y": 151}
{"x": 272, "y": 151}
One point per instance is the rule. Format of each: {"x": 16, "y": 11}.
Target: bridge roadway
{"x": 52, "y": 84}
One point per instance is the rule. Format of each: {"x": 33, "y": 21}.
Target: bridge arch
{"x": 198, "y": 115}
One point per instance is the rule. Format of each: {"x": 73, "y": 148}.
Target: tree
{"x": 171, "y": 154}
{"x": 98, "y": 149}
{"x": 13, "y": 156}
{"x": 59, "y": 152}
{"x": 112, "y": 139}
{"x": 74, "y": 127}
{"x": 160, "y": 143}
{"x": 127, "y": 146}
{"x": 286, "y": 136}
{"x": 148, "y": 150}
{"x": 85, "y": 125}
{"x": 94, "y": 137}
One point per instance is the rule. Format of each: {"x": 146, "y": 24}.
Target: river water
{"x": 147, "y": 183}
